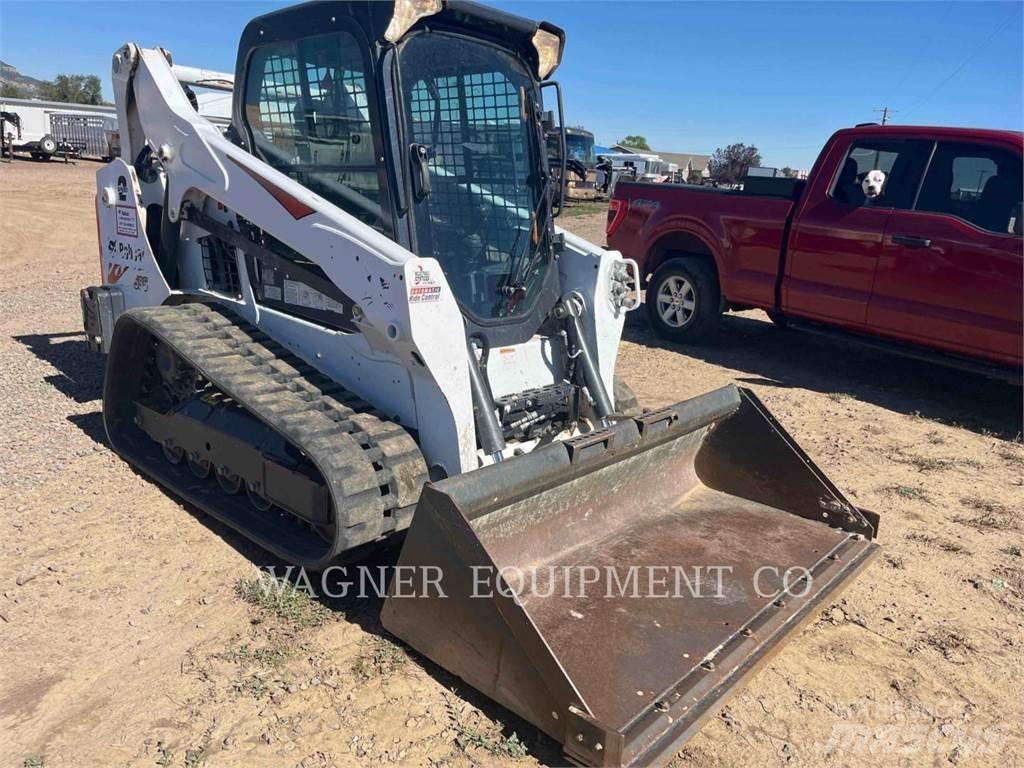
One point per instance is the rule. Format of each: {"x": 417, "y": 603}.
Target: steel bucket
{"x": 734, "y": 536}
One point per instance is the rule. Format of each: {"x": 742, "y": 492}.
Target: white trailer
{"x": 47, "y": 128}
{"x": 50, "y": 127}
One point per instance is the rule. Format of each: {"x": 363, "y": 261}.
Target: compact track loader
{"x": 350, "y": 314}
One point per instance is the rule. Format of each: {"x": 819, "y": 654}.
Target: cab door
{"x": 951, "y": 270}
{"x": 837, "y": 237}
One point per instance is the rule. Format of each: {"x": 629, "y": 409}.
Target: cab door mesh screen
{"x": 472, "y": 126}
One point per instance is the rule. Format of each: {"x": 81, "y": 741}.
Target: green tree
{"x": 636, "y": 141}
{"x": 74, "y": 89}
{"x": 730, "y": 165}
{"x": 788, "y": 172}
{"x": 11, "y": 91}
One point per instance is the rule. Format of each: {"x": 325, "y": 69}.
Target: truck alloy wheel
{"x": 683, "y": 299}
{"x": 676, "y": 301}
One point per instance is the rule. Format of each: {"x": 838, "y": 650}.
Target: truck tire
{"x": 684, "y": 299}
{"x": 626, "y": 403}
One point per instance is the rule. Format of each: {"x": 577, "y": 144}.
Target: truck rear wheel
{"x": 684, "y": 299}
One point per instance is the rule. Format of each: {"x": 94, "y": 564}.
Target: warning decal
{"x": 127, "y": 221}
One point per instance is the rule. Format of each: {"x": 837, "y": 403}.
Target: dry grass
{"x": 912, "y": 492}
{"x": 934, "y": 541}
{"x": 379, "y": 657}
{"x": 934, "y": 463}
{"x": 992, "y": 515}
{"x": 280, "y": 599}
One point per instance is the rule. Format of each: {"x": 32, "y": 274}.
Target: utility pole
{"x": 885, "y": 114}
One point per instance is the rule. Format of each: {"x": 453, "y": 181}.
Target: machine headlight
{"x": 407, "y": 13}
{"x": 549, "y": 52}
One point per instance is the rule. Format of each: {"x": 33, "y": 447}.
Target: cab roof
{"x": 504, "y": 29}
{"x": 934, "y": 131}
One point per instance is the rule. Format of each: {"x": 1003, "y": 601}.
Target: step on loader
{"x": 347, "y": 314}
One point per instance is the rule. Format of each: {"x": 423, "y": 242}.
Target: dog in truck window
{"x": 872, "y": 184}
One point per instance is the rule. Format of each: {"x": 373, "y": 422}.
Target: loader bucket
{"x": 614, "y": 589}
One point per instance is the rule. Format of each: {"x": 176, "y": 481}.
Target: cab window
{"x": 310, "y": 115}
{"x": 977, "y": 183}
{"x": 901, "y": 161}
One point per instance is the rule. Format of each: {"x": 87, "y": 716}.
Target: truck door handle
{"x": 911, "y": 241}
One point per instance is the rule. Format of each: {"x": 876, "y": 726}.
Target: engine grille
{"x": 220, "y": 266}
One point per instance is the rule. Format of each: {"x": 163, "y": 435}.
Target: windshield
{"x": 470, "y": 105}
{"x": 580, "y": 148}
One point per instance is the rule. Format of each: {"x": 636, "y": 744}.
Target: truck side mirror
{"x": 1016, "y": 225}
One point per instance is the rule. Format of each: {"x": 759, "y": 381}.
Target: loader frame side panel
{"x": 201, "y": 163}
{"x": 127, "y": 259}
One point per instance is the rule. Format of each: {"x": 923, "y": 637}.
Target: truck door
{"x": 837, "y": 237}
{"x": 950, "y": 274}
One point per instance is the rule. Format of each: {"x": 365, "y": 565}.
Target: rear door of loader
{"x": 615, "y": 589}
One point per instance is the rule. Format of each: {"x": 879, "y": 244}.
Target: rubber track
{"x": 373, "y": 468}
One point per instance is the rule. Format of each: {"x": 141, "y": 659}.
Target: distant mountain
{"x": 28, "y": 86}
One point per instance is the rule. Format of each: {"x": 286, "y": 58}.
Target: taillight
{"x": 616, "y": 213}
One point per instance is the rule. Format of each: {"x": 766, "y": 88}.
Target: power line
{"x": 978, "y": 49}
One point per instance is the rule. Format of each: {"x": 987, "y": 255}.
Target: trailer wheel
{"x": 48, "y": 144}
{"x": 684, "y": 299}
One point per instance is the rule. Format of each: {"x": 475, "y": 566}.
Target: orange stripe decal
{"x": 294, "y": 206}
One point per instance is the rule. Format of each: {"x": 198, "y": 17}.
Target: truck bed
{"x": 753, "y": 225}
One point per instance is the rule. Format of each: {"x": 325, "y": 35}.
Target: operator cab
{"x": 425, "y": 121}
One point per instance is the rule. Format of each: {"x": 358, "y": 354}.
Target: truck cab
{"x": 930, "y": 260}
{"x": 935, "y": 259}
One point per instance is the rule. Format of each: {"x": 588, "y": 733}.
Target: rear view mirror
{"x": 1016, "y": 226}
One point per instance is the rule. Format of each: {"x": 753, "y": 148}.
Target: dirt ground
{"x": 133, "y": 632}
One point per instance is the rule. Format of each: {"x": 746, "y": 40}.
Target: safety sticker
{"x": 127, "y": 221}
{"x": 301, "y": 295}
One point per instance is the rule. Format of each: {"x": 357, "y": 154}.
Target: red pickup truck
{"x": 929, "y": 260}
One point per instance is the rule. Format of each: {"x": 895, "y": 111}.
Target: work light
{"x": 549, "y": 52}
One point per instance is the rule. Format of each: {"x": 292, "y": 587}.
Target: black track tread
{"x": 372, "y": 466}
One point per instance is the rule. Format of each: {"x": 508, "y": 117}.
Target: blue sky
{"x": 689, "y": 76}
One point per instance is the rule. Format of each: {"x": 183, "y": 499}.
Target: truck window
{"x": 977, "y": 183}
{"x": 900, "y": 160}
{"x": 308, "y": 109}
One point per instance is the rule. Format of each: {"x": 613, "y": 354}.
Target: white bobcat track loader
{"x": 351, "y": 312}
